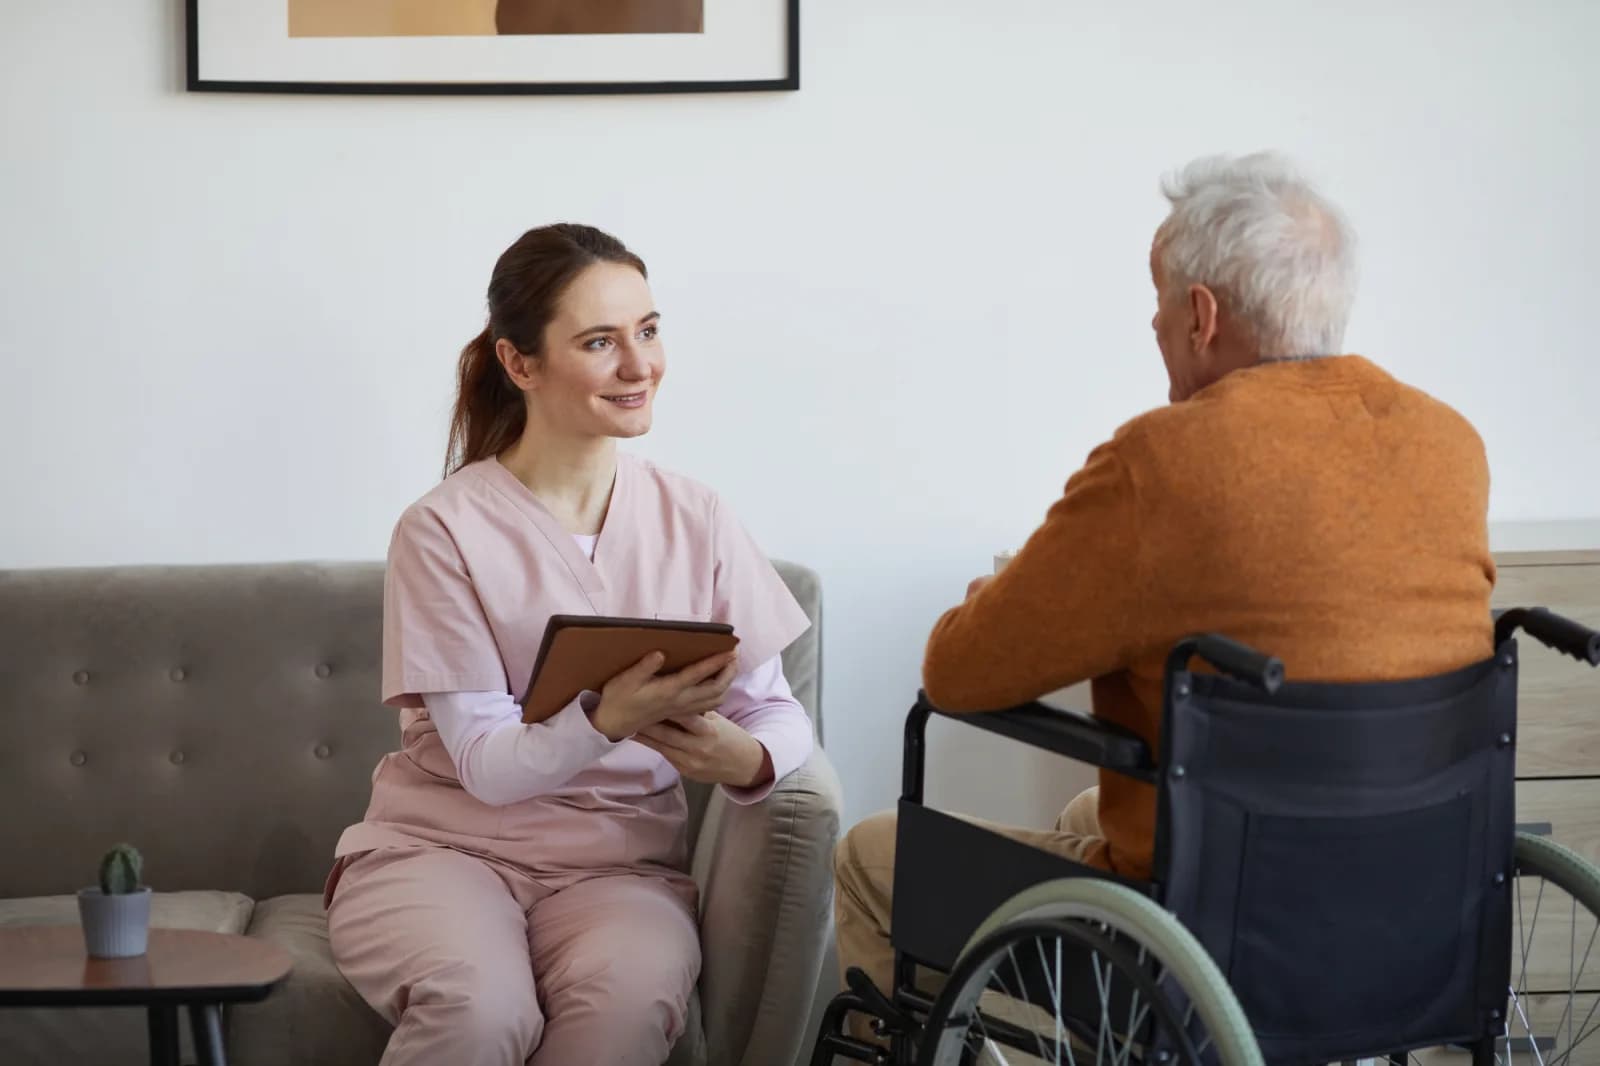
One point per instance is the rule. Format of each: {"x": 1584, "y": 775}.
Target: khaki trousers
{"x": 863, "y": 869}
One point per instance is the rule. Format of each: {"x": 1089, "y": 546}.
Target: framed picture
{"x": 493, "y": 46}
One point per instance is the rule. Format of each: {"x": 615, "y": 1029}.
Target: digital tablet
{"x": 584, "y": 651}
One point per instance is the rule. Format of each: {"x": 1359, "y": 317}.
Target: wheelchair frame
{"x": 902, "y": 1015}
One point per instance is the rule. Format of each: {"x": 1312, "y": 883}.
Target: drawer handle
{"x": 1536, "y": 829}
{"x": 1544, "y": 1044}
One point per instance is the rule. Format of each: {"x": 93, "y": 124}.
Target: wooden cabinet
{"x": 1558, "y": 770}
{"x": 1558, "y": 794}
{"x": 1558, "y": 699}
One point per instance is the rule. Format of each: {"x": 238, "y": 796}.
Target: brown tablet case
{"x": 581, "y": 651}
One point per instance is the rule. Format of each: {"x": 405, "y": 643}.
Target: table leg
{"x": 205, "y": 1022}
{"x": 162, "y": 1019}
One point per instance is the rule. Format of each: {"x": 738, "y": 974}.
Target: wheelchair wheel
{"x": 1553, "y": 1004}
{"x": 1553, "y": 1013}
{"x": 1083, "y": 970}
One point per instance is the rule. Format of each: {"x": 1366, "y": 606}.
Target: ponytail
{"x": 489, "y": 412}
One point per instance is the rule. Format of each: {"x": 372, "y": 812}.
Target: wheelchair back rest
{"x": 1345, "y": 851}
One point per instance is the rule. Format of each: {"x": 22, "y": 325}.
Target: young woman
{"x": 518, "y": 893}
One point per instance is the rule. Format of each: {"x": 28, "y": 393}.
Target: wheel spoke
{"x": 1134, "y": 1023}
{"x": 1022, "y": 999}
{"x": 1522, "y": 981}
{"x": 1567, "y": 1013}
{"x": 1053, "y": 986}
{"x": 1063, "y": 947}
{"x": 1070, "y": 1060}
{"x": 1102, "y": 982}
{"x": 1583, "y": 1034}
{"x": 990, "y": 1047}
{"x": 1533, "y": 1044}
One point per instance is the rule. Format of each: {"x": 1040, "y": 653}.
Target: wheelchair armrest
{"x": 1065, "y": 732}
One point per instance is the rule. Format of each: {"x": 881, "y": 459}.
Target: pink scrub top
{"x": 476, "y": 568}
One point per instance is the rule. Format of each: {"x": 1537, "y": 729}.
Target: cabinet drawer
{"x": 1558, "y": 698}
{"x": 1560, "y": 940}
{"x": 1570, "y": 810}
{"x": 1547, "y": 1015}
{"x": 1552, "y": 1019}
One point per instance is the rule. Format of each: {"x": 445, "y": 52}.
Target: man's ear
{"x": 1203, "y": 318}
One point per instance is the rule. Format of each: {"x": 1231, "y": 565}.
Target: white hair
{"x": 1275, "y": 252}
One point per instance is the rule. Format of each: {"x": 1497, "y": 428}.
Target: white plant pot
{"x": 115, "y": 926}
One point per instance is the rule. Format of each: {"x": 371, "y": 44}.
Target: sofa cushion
{"x": 314, "y": 1016}
{"x": 106, "y": 1036}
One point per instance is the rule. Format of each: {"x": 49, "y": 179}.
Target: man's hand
{"x": 708, "y": 747}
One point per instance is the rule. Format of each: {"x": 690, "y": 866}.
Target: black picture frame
{"x": 789, "y": 82}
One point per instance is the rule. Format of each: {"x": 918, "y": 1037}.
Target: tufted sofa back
{"x": 223, "y": 719}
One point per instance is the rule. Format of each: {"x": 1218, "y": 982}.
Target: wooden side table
{"x": 46, "y": 966}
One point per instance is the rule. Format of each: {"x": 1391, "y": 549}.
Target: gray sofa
{"x": 225, "y": 719}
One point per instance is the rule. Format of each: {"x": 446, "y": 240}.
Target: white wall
{"x": 901, "y": 304}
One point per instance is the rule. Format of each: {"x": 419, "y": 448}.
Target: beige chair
{"x": 225, "y": 719}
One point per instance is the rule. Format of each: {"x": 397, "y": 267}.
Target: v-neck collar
{"x": 584, "y": 571}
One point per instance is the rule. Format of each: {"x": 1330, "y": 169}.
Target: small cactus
{"x": 120, "y": 870}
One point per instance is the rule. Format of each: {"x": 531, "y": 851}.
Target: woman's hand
{"x": 707, "y": 747}
{"x": 637, "y": 697}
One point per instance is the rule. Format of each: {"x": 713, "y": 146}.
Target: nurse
{"x": 518, "y": 893}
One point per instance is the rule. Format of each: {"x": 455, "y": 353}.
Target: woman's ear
{"x": 520, "y": 367}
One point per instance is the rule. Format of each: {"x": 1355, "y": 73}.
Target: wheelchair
{"x": 1337, "y": 877}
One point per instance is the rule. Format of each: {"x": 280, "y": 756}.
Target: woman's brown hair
{"x": 524, "y": 291}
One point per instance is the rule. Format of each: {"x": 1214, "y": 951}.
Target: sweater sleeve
{"x": 1066, "y": 609}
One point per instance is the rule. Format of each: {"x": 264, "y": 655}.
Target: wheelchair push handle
{"x": 1239, "y": 661}
{"x": 1552, "y": 630}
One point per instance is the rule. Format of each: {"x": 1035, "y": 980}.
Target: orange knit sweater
{"x": 1317, "y": 510}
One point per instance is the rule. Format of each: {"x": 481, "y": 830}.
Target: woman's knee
{"x": 480, "y": 1009}
{"x": 665, "y": 972}
{"x": 624, "y": 1002}
{"x": 642, "y": 1014}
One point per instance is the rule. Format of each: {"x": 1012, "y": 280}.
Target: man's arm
{"x": 1066, "y": 609}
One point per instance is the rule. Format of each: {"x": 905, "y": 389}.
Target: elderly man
{"x": 1299, "y": 500}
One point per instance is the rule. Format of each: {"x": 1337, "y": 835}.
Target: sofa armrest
{"x": 765, "y": 873}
